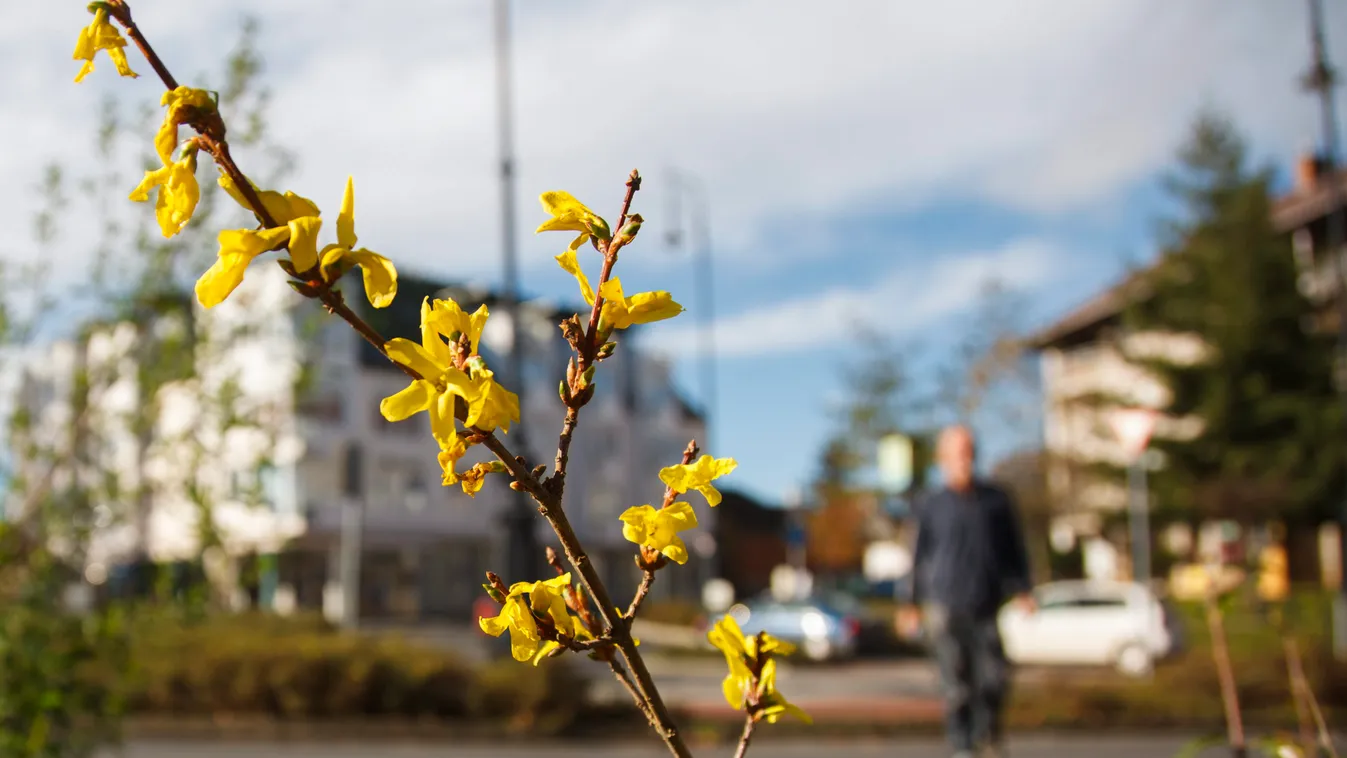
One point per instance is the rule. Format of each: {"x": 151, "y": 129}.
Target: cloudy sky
{"x": 867, "y": 161}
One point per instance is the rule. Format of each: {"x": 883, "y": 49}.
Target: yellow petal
{"x": 571, "y": 265}
{"x": 238, "y": 247}
{"x": 413, "y": 356}
{"x": 304, "y": 242}
{"x": 414, "y": 398}
{"x": 676, "y": 551}
{"x": 84, "y": 71}
{"x": 547, "y": 647}
{"x": 681, "y": 514}
{"x": 494, "y": 626}
{"x": 84, "y": 46}
{"x": 152, "y": 179}
{"x": 649, "y": 307}
{"x": 442, "y": 418}
{"x": 282, "y": 208}
{"x": 346, "y": 217}
{"x": 381, "y": 278}
{"x": 569, "y": 214}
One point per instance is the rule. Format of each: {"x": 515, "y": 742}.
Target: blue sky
{"x": 872, "y": 160}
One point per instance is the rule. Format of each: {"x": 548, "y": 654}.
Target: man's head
{"x": 954, "y": 453}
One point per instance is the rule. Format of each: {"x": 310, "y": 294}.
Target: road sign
{"x": 1133, "y": 427}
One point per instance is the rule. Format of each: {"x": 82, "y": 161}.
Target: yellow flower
{"x": 658, "y": 529}
{"x": 570, "y": 215}
{"x": 570, "y": 265}
{"x": 100, "y": 34}
{"x": 489, "y": 405}
{"x": 451, "y": 320}
{"x": 283, "y": 207}
{"x": 745, "y": 656}
{"x": 772, "y": 705}
{"x": 178, "y": 193}
{"x": 179, "y": 101}
{"x": 517, "y": 616}
{"x": 238, "y": 247}
{"x": 698, "y": 476}
{"x": 380, "y": 277}
{"x": 473, "y": 478}
{"x": 451, "y": 451}
{"x": 642, "y": 308}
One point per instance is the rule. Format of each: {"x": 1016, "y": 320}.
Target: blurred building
{"x": 302, "y": 434}
{"x": 758, "y": 533}
{"x": 1085, "y": 354}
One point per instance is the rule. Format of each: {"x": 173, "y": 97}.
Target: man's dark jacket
{"x": 969, "y": 554}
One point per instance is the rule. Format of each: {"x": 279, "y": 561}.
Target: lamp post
{"x": 699, "y": 225}
{"x": 352, "y": 528}
{"x": 1321, "y": 79}
{"x": 520, "y": 523}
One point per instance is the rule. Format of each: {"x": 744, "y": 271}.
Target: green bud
{"x": 564, "y": 392}
{"x": 287, "y": 267}
{"x": 605, "y": 351}
{"x": 494, "y": 593}
{"x": 587, "y": 378}
{"x": 630, "y": 229}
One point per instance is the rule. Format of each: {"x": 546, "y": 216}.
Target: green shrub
{"x": 545, "y": 699}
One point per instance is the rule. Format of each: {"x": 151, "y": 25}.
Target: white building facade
{"x": 302, "y": 440}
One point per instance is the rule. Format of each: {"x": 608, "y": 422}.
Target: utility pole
{"x": 700, "y": 232}
{"x": 522, "y": 547}
{"x": 1321, "y": 80}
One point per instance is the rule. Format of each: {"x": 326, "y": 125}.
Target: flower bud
{"x": 565, "y": 393}
{"x": 494, "y": 593}
{"x": 587, "y": 378}
{"x": 605, "y": 351}
{"x": 630, "y": 229}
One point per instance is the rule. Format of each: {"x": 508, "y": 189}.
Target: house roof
{"x": 1291, "y": 211}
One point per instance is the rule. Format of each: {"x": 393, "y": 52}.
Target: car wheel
{"x": 1133, "y": 660}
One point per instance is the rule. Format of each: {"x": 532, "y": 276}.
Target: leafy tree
{"x": 1270, "y": 445}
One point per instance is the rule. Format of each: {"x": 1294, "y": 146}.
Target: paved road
{"x": 1028, "y": 747}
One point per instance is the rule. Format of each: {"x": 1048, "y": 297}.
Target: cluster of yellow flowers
{"x": 450, "y": 372}
{"x": 450, "y": 379}
{"x": 751, "y": 683}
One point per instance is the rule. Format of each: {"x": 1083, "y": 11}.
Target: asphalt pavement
{"x": 1141, "y": 746}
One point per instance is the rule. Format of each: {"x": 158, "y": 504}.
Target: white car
{"x": 1120, "y": 624}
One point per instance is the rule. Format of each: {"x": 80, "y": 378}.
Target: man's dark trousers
{"x": 974, "y": 674}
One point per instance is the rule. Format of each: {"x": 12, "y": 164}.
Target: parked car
{"x": 1121, "y": 624}
{"x": 821, "y": 627}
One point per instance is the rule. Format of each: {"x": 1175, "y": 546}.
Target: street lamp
{"x": 522, "y": 540}
{"x": 1321, "y": 80}
{"x": 699, "y": 222}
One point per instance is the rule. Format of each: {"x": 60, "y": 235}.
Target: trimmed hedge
{"x": 302, "y": 669}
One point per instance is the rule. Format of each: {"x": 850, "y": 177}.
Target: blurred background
{"x": 1108, "y": 236}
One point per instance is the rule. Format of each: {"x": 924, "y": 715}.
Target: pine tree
{"x": 1270, "y": 446}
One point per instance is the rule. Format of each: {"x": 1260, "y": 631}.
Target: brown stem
{"x": 746, "y": 737}
{"x": 119, "y": 10}
{"x": 1305, "y": 699}
{"x": 589, "y": 344}
{"x": 647, "y": 579}
{"x": 1220, "y": 652}
{"x": 618, "y": 629}
{"x": 626, "y": 681}
{"x": 1295, "y": 674}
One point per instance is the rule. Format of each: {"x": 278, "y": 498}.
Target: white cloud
{"x": 908, "y": 299}
{"x": 784, "y": 109}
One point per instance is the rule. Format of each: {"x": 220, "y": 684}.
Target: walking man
{"x": 969, "y": 560}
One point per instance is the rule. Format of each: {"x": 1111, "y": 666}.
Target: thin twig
{"x": 119, "y": 10}
{"x": 746, "y": 737}
{"x": 588, "y": 345}
{"x": 1225, "y": 671}
{"x": 1296, "y": 675}
{"x": 647, "y": 579}
{"x": 1306, "y": 696}
{"x": 550, "y": 507}
{"x": 626, "y": 681}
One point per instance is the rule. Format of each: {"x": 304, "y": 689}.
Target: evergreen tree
{"x": 1270, "y": 445}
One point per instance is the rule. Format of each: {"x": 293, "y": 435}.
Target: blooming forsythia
{"x": 451, "y": 381}
{"x": 751, "y": 683}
